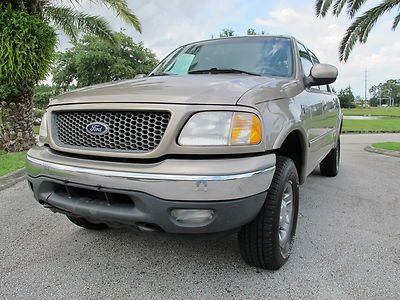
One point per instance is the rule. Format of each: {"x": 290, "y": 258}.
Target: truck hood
{"x": 221, "y": 89}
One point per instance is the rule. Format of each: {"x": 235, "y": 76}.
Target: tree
{"x": 93, "y": 60}
{"x": 26, "y": 50}
{"x": 42, "y": 95}
{"x": 231, "y": 32}
{"x": 226, "y": 33}
{"x": 346, "y": 98}
{"x": 252, "y": 31}
{"x": 373, "y": 101}
{"x": 387, "y": 92}
{"x": 27, "y": 47}
{"x": 359, "y": 30}
{"x": 73, "y": 22}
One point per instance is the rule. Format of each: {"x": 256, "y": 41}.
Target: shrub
{"x": 27, "y": 45}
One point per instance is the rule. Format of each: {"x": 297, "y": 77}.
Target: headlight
{"x": 43, "y": 130}
{"x": 221, "y": 128}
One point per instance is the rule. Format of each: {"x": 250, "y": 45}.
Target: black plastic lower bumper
{"x": 137, "y": 209}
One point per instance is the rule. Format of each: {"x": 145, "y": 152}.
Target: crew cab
{"x": 216, "y": 140}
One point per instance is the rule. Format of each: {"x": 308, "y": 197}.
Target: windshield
{"x": 267, "y": 56}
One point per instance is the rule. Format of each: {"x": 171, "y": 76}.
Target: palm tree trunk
{"x": 16, "y": 123}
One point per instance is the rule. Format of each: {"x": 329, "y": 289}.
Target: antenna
{"x": 366, "y": 82}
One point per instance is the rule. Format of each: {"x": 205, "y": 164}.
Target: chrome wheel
{"x": 285, "y": 219}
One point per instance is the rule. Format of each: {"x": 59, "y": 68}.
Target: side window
{"x": 305, "y": 59}
{"x": 323, "y": 88}
{"x": 314, "y": 57}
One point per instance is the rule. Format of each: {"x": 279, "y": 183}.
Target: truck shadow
{"x": 144, "y": 247}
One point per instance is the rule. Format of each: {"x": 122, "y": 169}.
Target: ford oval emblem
{"x": 97, "y": 128}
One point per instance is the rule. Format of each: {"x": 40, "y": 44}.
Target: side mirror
{"x": 138, "y": 76}
{"x": 322, "y": 74}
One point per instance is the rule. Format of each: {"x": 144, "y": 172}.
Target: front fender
{"x": 282, "y": 118}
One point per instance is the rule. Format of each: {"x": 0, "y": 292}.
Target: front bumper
{"x": 234, "y": 189}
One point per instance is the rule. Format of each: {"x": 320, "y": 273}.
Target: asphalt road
{"x": 347, "y": 247}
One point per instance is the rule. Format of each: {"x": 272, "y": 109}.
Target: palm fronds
{"x": 120, "y": 7}
{"x": 65, "y": 15}
{"x": 338, "y": 7}
{"x": 322, "y": 7}
{"x": 73, "y": 22}
{"x": 396, "y": 22}
{"x": 362, "y": 26}
{"x": 122, "y": 10}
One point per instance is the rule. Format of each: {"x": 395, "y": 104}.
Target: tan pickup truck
{"x": 216, "y": 140}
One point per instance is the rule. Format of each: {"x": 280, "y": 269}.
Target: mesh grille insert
{"x": 129, "y": 131}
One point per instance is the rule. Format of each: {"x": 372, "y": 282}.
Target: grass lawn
{"x": 389, "y": 124}
{"x": 372, "y": 111}
{"x": 10, "y": 162}
{"x": 393, "y": 146}
{"x": 36, "y": 129}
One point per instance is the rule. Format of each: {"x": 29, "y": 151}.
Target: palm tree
{"x": 24, "y": 62}
{"x": 359, "y": 30}
{"x": 72, "y": 21}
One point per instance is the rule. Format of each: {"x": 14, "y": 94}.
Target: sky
{"x": 170, "y": 24}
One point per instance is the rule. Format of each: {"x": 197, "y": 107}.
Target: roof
{"x": 260, "y": 36}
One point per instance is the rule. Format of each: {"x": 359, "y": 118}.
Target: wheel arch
{"x": 294, "y": 146}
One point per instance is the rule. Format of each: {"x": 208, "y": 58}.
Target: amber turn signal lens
{"x": 246, "y": 129}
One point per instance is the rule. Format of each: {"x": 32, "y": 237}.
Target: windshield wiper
{"x": 219, "y": 71}
{"x": 161, "y": 74}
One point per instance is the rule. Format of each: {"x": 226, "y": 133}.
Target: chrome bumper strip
{"x": 144, "y": 176}
{"x": 179, "y": 187}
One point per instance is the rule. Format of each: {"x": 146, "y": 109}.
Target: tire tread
{"x": 256, "y": 239}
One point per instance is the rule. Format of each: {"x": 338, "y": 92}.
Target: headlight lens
{"x": 43, "y": 130}
{"x": 221, "y": 128}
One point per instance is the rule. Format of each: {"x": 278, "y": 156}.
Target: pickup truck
{"x": 215, "y": 140}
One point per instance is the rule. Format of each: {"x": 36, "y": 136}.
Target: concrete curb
{"x": 381, "y": 151}
{"x": 9, "y": 180}
{"x": 369, "y": 131}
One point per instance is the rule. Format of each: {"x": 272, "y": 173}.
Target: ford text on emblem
{"x": 97, "y": 128}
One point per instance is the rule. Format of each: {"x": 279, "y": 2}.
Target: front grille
{"x": 128, "y": 131}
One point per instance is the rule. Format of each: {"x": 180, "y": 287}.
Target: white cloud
{"x": 279, "y": 17}
{"x": 380, "y": 55}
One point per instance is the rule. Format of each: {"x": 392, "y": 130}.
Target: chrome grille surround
{"x": 129, "y": 131}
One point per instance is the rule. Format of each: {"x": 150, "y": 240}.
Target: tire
{"x": 259, "y": 242}
{"x": 330, "y": 165}
{"x": 81, "y": 222}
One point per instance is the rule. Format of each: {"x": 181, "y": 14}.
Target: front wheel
{"x": 267, "y": 241}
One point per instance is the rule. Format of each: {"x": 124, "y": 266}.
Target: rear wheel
{"x": 330, "y": 165}
{"x": 267, "y": 241}
{"x": 81, "y": 222}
